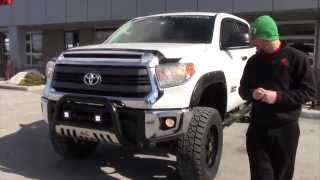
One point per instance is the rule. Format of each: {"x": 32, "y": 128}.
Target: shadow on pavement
{"x": 28, "y": 153}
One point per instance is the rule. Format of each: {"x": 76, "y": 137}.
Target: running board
{"x": 238, "y": 115}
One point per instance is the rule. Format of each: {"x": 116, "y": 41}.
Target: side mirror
{"x": 237, "y": 39}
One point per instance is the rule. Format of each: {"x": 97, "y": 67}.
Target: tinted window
{"x": 242, "y": 27}
{"x": 166, "y": 29}
{"x": 227, "y": 29}
{"x": 232, "y": 33}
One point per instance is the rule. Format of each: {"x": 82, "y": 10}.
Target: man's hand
{"x": 258, "y": 94}
{"x": 267, "y": 96}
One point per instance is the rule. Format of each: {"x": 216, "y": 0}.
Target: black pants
{"x": 272, "y": 151}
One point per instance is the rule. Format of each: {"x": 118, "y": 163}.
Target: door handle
{"x": 244, "y": 58}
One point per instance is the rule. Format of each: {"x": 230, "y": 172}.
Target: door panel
{"x": 235, "y": 58}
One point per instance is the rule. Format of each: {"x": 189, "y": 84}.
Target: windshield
{"x": 166, "y": 29}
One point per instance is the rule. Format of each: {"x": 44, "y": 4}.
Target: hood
{"x": 168, "y": 50}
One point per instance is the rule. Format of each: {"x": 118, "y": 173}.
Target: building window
{"x": 4, "y": 52}
{"x": 288, "y": 29}
{"x": 102, "y": 35}
{"x": 71, "y": 39}
{"x": 34, "y": 48}
{"x": 6, "y": 49}
{"x": 300, "y": 35}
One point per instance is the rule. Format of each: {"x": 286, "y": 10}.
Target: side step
{"x": 240, "y": 114}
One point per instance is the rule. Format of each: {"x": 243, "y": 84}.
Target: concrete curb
{"x": 5, "y": 85}
{"x": 310, "y": 114}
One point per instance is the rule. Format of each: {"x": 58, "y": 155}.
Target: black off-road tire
{"x": 70, "y": 148}
{"x": 199, "y": 150}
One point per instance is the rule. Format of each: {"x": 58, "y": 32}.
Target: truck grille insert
{"x": 120, "y": 81}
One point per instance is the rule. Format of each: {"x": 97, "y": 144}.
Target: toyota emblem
{"x": 92, "y": 79}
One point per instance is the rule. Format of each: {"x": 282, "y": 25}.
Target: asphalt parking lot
{"x": 26, "y": 153}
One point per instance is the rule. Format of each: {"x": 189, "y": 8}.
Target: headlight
{"x": 49, "y": 69}
{"x": 170, "y": 75}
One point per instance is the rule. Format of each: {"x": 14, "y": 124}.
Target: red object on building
{"x": 6, "y": 2}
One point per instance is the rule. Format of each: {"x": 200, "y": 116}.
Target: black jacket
{"x": 288, "y": 72}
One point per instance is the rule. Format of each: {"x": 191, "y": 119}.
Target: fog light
{"x": 170, "y": 123}
{"x": 66, "y": 114}
{"x": 167, "y": 123}
{"x": 97, "y": 118}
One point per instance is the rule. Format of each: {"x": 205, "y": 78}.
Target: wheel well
{"x": 215, "y": 96}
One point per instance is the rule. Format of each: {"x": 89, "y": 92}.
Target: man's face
{"x": 260, "y": 44}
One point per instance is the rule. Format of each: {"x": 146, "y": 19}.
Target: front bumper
{"x": 137, "y": 126}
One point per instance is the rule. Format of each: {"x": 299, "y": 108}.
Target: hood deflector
{"x": 162, "y": 59}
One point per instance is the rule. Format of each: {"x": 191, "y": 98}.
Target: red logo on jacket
{"x": 284, "y": 62}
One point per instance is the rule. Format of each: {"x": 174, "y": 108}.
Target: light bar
{"x": 97, "y": 118}
{"x": 66, "y": 114}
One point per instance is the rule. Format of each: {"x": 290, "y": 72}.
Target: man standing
{"x": 277, "y": 80}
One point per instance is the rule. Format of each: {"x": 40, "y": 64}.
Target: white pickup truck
{"x": 161, "y": 78}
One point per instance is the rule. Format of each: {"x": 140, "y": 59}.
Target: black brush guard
{"x": 80, "y": 123}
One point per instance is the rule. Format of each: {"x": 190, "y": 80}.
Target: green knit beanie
{"x": 265, "y": 28}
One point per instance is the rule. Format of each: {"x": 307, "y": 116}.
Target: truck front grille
{"x": 120, "y": 81}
